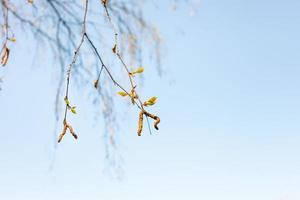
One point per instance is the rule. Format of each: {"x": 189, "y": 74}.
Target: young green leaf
{"x": 137, "y": 71}
{"x": 150, "y": 101}
{"x": 123, "y": 94}
{"x": 67, "y": 101}
{"x": 12, "y": 39}
{"x": 73, "y": 109}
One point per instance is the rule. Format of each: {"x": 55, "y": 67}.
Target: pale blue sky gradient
{"x": 229, "y": 103}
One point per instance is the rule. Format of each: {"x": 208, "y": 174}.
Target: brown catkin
{"x": 62, "y": 133}
{"x": 5, "y": 56}
{"x": 157, "y": 121}
{"x": 140, "y": 127}
{"x": 72, "y": 132}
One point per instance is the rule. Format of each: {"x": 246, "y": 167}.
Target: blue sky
{"x": 229, "y": 103}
